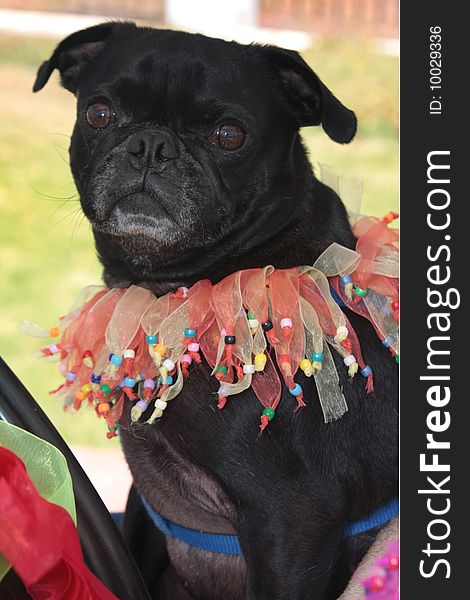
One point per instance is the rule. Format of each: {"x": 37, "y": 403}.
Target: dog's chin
{"x": 143, "y": 235}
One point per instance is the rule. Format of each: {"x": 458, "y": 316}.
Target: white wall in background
{"x": 211, "y": 15}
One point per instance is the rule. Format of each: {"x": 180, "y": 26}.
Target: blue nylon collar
{"x": 229, "y": 544}
{"x": 212, "y": 542}
{"x": 336, "y": 297}
{"x": 382, "y": 515}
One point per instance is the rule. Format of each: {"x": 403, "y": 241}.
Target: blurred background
{"x": 46, "y": 248}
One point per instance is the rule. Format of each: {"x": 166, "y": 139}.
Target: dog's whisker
{"x": 74, "y": 196}
{"x": 78, "y": 220}
{"x": 55, "y": 211}
{"x": 59, "y": 153}
{"x": 65, "y": 217}
{"x": 57, "y": 148}
{"x": 58, "y": 208}
{"x": 59, "y": 133}
{"x": 67, "y": 185}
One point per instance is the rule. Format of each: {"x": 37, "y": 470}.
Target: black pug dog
{"x": 187, "y": 156}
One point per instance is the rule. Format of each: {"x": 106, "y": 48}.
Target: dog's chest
{"x": 174, "y": 486}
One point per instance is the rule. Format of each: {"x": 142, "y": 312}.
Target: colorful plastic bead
{"x": 296, "y": 390}
{"x": 160, "y": 404}
{"x": 54, "y": 331}
{"x": 349, "y": 360}
{"x": 103, "y": 408}
{"x": 395, "y": 305}
{"x": 362, "y": 293}
{"x": 317, "y": 357}
{"x": 230, "y": 340}
{"x": 151, "y": 339}
{"x": 186, "y": 359}
{"x": 375, "y": 584}
{"x": 70, "y": 377}
{"x": 160, "y": 349}
{"x": 389, "y": 561}
{"x": 307, "y": 367}
{"x": 387, "y": 342}
{"x": 95, "y": 378}
{"x": 184, "y": 291}
{"x": 260, "y": 361}
{"x": 105, "y": 389}
{"x": 261, "y": 358}
{"x": 169, "y": 379}
{"x": 87, "y": 359}
{"x": 342, "y": 332}
{"x": 397, "y": 358}
{"x": 115, "y": 360}
{"x": 129, "y": 382}
{"x": 193, "y": 347}
{"x": 223, "y": 390}
{"x": 346, "y": 279}
{"x": 269, "y": 412}
{"x": 267, "y": 326}
{"x": 190, "y": 333}
{"x": 137, "y": 410}
{"x": 169, "y": 364}
{"x": 250, "y": 369}
{"x": 142, "y": 405}
{"x": 390, "y": 216}
{"x": 221, "y": 369}
{"x": 286, "y": 323}
{"x": 129, "y": 353}
{"x": 149, "y": 384}
{"x": 366, "y": 371}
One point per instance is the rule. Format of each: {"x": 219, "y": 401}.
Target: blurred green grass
{"x": 46, "y": 247}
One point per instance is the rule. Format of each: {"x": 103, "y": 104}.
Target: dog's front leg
{"x": 290, "y": 551}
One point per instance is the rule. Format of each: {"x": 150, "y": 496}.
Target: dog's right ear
{"x": 75, "y": 52}
{"x": 310, "y": 101}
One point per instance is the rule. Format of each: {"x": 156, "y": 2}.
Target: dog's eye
{"x": 229, "y": 136}
{"x": 99, "y": 115}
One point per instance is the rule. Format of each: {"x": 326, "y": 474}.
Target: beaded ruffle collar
{"x": 255, "y": 328}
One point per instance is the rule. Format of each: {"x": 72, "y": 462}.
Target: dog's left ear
{"x": 310, "y": 101}
{"x": 75, "y": 52}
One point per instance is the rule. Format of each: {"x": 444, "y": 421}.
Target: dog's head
{"x": 183, "y": 142}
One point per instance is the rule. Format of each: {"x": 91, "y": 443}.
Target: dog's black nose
{"x": 151, "y": 147}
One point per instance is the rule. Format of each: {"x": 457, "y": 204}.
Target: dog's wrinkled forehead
{"x": 178, "y": 77}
